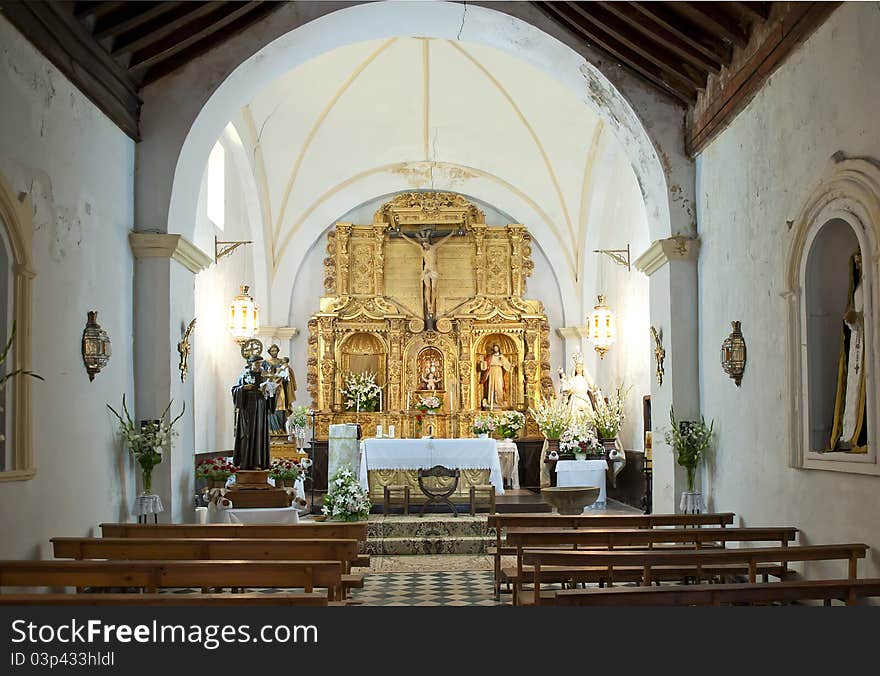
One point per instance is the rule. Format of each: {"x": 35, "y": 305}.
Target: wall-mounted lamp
{"x": 601, "y": 327}
{"x": 619, "y": 256}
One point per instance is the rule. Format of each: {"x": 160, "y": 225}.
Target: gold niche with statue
{"x": 429, "y": 299}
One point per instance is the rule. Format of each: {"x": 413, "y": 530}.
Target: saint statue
{"x": 280, "y": 372}
{"x": 430, "y": 271}
{"x": 579, "y": 390}
{"x": 254, "y": 398}
{"x": 849, "y": 432}
{"x": 493, "y": 367}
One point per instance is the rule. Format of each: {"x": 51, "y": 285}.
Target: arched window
{"x": 216, "y": 188}
{"x": 832, "y": 293}
{"x": 16, "y": 274}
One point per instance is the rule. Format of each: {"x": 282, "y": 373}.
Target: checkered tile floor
{"x": 463, "y": 588}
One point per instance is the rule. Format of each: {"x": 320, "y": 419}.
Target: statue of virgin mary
{"x": 849, "y": 432}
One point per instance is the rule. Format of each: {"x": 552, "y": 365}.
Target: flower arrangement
{"x": 286, "y": 470}
{"x": 608, "y": 415}
{"x": 509, "y": 424}
{"x": 429, "y": 404}
{"x": 299, "y": 417}
{"x": 553, "y": 417}
{"x": 346, "y": 500}
{"x": 360, "y": 392}
{"x": 690, "y": 439}
{"x": 146, "y": 440}
{"x": 579, "y": 437}
{"x": 216, "y": 469}
{"x": 483, "y": 424}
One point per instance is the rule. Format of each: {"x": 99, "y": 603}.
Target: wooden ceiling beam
{"x": 758, "y": 11}
{"x": 193, "y": 33}
{"x": 683, "y": 91}
{"x": 60, "y": 36}
{"x": 656, "y": 31}
{"x": 710, "y": 16}
{"x": 183, "y": 57}
{"x": 153, "y": 32}
{"x": 86, "y": 10}
{"x": 708, "y": 45}
{"x": 612, "y": 26}
{"x": 111, "y": 28}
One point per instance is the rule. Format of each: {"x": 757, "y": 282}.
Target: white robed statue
{"x": 579, "y": 390}
{"x": 848, "y": 432}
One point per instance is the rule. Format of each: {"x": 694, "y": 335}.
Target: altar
{"x": 385, "y": 462}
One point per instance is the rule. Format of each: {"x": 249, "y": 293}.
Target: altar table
{"x": 280, "y": 516}
{"x": 583, "y": 473}
{"x": 414, "y": 454}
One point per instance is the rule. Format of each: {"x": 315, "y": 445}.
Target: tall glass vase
{"x": 691, "y": 474}
{"x": 147, "y": 476}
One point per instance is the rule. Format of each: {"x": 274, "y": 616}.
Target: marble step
{"x": 402, "y": 546}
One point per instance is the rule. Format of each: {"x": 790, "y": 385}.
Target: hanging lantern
{"x": 733, "y": 353}
{"x": 244, "y": 319}
{"x": 95, "y": 346}
{"x": 602, "y": 330}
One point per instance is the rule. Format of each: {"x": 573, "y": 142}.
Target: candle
{"x": 391, "y": 431}
{"x": 380, "y": 399}
{"x": 378, "y": 431}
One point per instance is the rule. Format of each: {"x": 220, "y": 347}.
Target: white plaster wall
{"x": 751, "y": 179}
{"x": 77, "y": 169}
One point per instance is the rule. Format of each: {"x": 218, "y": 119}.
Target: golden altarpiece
{"x": 421, "y": 297}
{"x": 375, "y": 316}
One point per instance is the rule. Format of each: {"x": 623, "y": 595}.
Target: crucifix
{"x": 430, "y": 272}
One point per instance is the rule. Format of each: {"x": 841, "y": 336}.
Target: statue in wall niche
{"x": 254, "y": 398}
{"x": 579, "y": 390}
{"x": 493, "y": 367}
{"x": 849, "y": 432}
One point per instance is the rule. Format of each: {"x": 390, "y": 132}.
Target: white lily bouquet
{"x": 553, "y": 417}
{"x": 580, "y": 437}
{"x": 609, "y": 415}
{"x": 346, "y": 499}
{"x": 360, "y": 392}
{"x": 509, "y": 424}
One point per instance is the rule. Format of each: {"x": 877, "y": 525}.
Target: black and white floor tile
{"x": 461, "y": 588}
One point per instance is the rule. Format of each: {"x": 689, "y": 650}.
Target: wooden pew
{"x": 151, "y": 575}
{"x": 693, "y": 538}
{"x": 281, "y": 599}
{"x": 173, "y": 549}
{"x": 698, "y": 561}
{"x": 555, "y": 521}
{"x": 848, "y": 591}
{"x": 310, "y": 530}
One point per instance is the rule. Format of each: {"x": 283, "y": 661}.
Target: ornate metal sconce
{"x": 619, "y": 256}
{"x": 222, "y": 249}
{"x": 183, "y": 349}
{"x": 659, "y": 353}
{"x": 96, "y": 348}
{"x": 733, "y": 354}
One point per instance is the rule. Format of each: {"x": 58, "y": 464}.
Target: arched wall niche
{"x": 841, "y": 214}
{"x": 15, "y": 219}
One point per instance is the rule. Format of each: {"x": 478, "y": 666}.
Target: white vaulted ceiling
{"x": 409, "y": 113}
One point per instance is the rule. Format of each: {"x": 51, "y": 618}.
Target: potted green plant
{"x": 690, "y": 439}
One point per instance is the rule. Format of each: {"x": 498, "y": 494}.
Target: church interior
{"x": 439, "y": 303}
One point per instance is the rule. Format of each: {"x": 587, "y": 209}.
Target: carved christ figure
{"x": 430, "y": 271}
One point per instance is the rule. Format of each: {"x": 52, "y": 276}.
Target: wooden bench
{"x": 848, "y": 591}
{"x": 695, "y": 560}
{"x": 281, "y": 599}
{"x": 151, "y": 575}
{"x": 667, "y": 538}
{"x": 310, "y": 530}
{"x": 553, "y": 521}
{"x": 235, "y": 549}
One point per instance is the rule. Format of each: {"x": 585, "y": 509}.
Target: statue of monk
{"x": 254, "y": 398}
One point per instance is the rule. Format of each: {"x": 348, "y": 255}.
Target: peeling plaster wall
{"x": 753, "y": 178}
{"x": 76, "y": 168}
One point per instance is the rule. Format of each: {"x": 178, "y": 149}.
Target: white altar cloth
{"x": 583, "y": 473}
{"x": 425, "y": 453}
{"x": 280, "y": 516}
